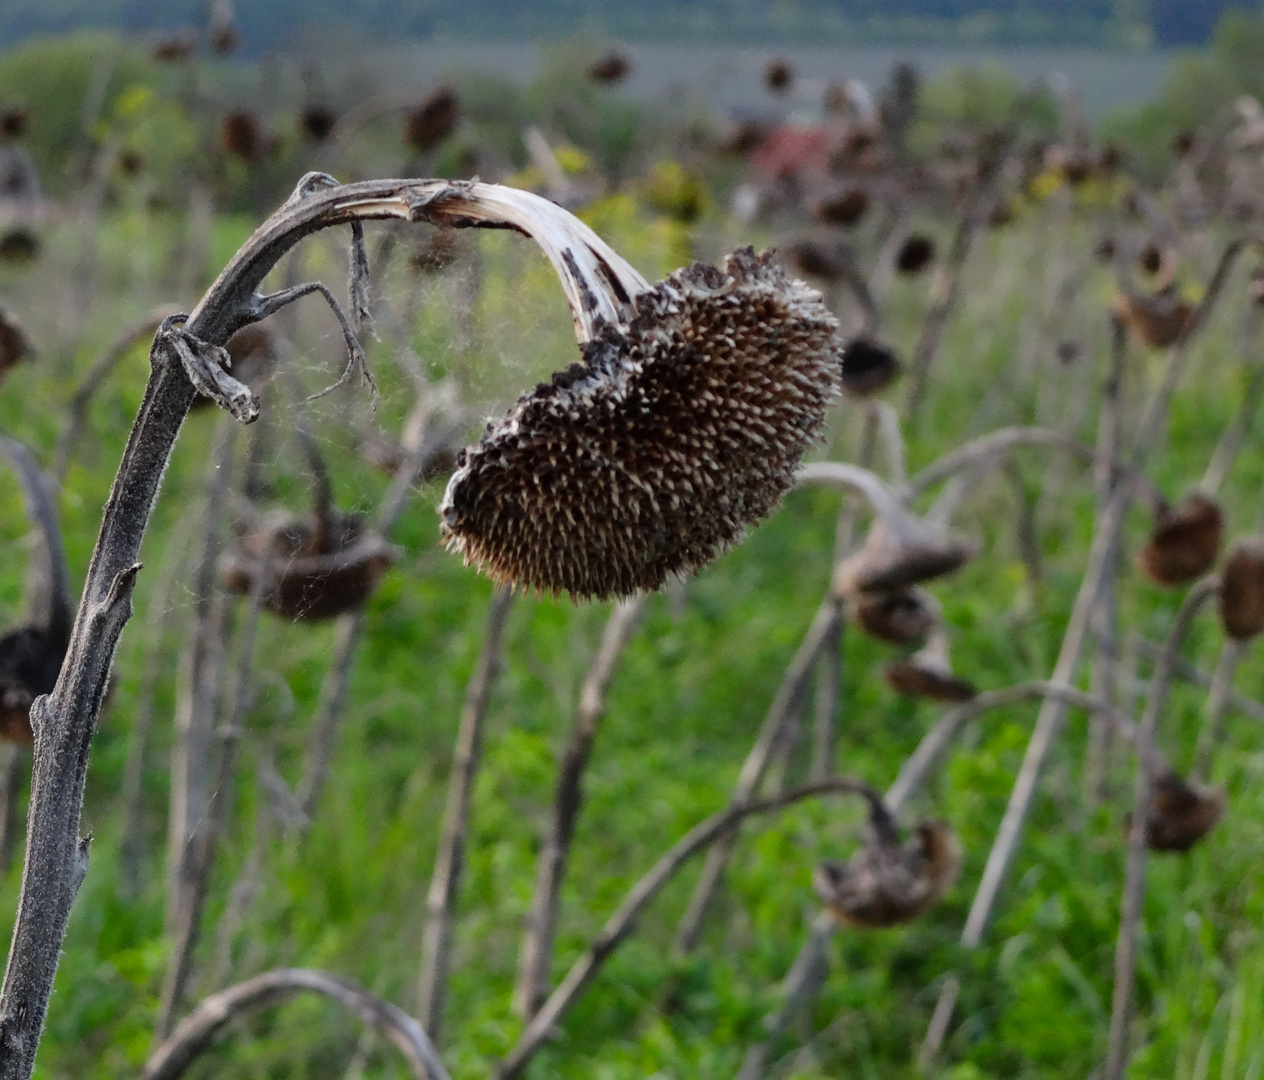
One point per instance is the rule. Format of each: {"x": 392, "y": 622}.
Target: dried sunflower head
{"x": 682, "y": 423}
{"x": 1242, "y": 589}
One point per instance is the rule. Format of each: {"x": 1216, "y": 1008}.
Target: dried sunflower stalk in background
{"x": 683, "y": 422}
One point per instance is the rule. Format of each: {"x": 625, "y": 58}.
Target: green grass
{"x": 691, "y": 692}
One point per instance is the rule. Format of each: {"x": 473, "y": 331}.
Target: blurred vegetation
{"x": 271, "y": 23}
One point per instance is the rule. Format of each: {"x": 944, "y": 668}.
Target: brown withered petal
{"x": 829, "y": 260}
{"x": 1110, "y": 158}
{"x": 740, "y": 136}
{"x": 868, "y": 367}
{"x": 651, "y": 455}
{"x": 918, "y": 678}
{"x": 1157, "y": 320}
{"x": 902, "y": 617}
{"x": 317, "y": 572}
{"x": 18, "y": 245}
{"x": 316, "y": 122}
{"x": 13, "y": 120}
{"x": 175, "y": 46}
{"x": 886, "y": 884}
{"x": 915, "y": 254}
{"x": 1184, "y": 542}
{"x": 1181, "y": 813}
{"x": 844, "y": 207}
{"x": 778, "y": 75}
{"x": 610, "y": 67}
{"x": 224, "y": 38}
{"x": 427, "y": 125}
{"x": 241, "y": 135}
{"x": 1152, "y": 258}
{"x": 1242, "y": 589}
{"x": 897, "y": 566}
{"x": 15, "y": 345}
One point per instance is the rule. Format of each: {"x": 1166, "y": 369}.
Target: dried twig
{"x": 802, "y": 982}
{"x": 77, "y": 410}
{"x": 131, "y": 849}
{"x": 209, "y": 829}
{"x": 324, "y": 730}
{"x": 1134, "y": 881}
{"x": 198, "y": 688}
{"x": 197, "y": 1030}
{"x": 1106, "y": 618}
{"x": 789, "y": 696}
{"x": 11, "y": 761}
{"x": 1184, "y": 669}
{"x": 829, "y": 697}
{"x": 536, "y": 956}
{"x": 622, "y": 922}
{"x": 1217, "y": 705}
{"x": 445, "y": 883}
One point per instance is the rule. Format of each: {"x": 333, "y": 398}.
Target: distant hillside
{"x": 270, "y": 23}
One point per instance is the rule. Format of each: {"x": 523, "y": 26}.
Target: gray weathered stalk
{"x": 63, "y": 722}
{"x": 445, "y": 883}
{"x": 1135, "y": 877}
{"x": 535, "y": 960}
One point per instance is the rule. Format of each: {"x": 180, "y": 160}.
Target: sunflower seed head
{"x": 1242, "y": 589}
{"x": 651, "y": 455}
{"x": 1185, "y": 541}
{"x": 1181, "y": 813}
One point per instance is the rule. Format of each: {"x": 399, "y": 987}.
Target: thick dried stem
{"x": 535, "y": 960}
{"x": 445, "y": 883}
{"x": 1134, "y": 881}
{"x": 197, "y": 1030}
